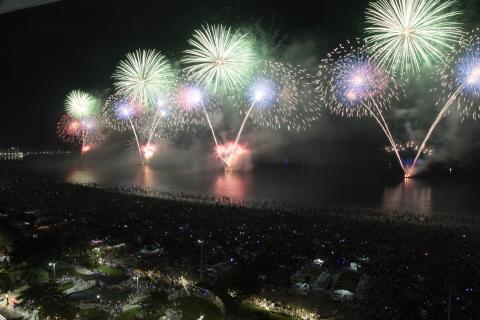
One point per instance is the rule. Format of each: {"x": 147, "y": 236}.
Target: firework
{"x": 195, "y": 104}
{"x": 174, "y": 113}
{"x": 161, "y": 116}
{"x": 409, "y": 147}
{"x": 148, "y": 151}
{"x": 142, "y": 76}
{"x": 405, "y": 34}
{"x": 281, "y": 96}
{"x": 86, "y": 132}
{"x": 119, "y": 111}
{"x": 80, "y": 104}
{"x": 68, "y": 129}
{"x": 460, "y": 84}
{"x": 408, "y": 151}
{"x": 229, "y": 153}
{"x": 124, "y": 114}
{"x": 92, "y": 131}
{"x": 220, "y": 58}
{"x": 353, "y": 84}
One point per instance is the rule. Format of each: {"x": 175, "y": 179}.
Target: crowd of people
{"x": 418, "y": 267}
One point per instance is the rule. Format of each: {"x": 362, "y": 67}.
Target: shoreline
{"x": 351, "y": 212}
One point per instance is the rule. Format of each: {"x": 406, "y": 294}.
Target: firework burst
{"x": 174, "y": 114}
{"x": 460, "y": 84}
{"x": 123, "y": 114}
{"x": 87, "y": 132}
{"x": 68, "y": 129}
{"x": 142, "y": 76}
{"x": 406, "y": 34}
{"x": 80, "y": 104}
{"x": 93, "y": 131}
{"x": 119, "y": 112}
{"x": 353, "y": 84}
{"x": 280, "y": 96}
{"x": 462, "y": 70}
{"x": 195, "y": 103}
{"x": 220, "y": 58}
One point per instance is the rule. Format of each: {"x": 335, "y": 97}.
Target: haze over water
{"x": 308, "y": 187}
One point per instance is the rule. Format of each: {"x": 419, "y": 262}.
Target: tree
{"x": 48, "y": 299}
{"x": 8, "y": 279}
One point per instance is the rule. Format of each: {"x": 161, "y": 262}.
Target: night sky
{"x": 49, "y": 50}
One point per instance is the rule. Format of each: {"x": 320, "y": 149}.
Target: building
{"x": 11, "y": 154}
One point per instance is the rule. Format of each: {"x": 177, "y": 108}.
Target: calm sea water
{"x": 308, "y": 187}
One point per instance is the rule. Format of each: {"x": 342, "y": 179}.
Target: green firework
{"x": 143, "y": 75}
{"x": 80, "y": 104}
{"x": 403, "y": 35}
{"x": 220, "y": 58}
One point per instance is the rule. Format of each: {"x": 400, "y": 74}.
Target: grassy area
{"x": 250, "y": 311}
{"x": 193, "y": 307}
{"x": 93, "y": 314}
{"x": 65, "y": 286}
{"x": 111, "y": 271}
{"x": 68, "y": 271}
{"x": 130, "y": 314}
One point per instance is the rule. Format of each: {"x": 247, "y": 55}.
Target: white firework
{"x": 143, "y": 76}
{"x": 405, "y": 34}
{"x": 219, "y": 58}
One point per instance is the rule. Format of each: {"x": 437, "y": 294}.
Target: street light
{"x": 136, "y": 278}
{"x": 201, "y": 242}
{"x": 53, "y": 264}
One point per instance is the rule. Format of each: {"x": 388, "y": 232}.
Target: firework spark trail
{"x": 157, "y": 117}
{"x": 239, "y": 134}
{"x": 355, "y": 85}
{"x": 191, "y": 99}
{"x": 153, "y": 127}
{"x": 136, "y": 138}
{"x": 388, "y": 134}
{"x": 278, "y": 96}
{"x": 459, "y": 82}
{"x": 155, "y": 123}
{"x": 221, "y": 59}
{"x": 385, "y": 129}
{"x": 213, "y": 133}
{"x": 123, "y": 115}
{"x": 433, "y": 126}
{"x": 141, "y": 77}
{"x": 83, "y": 136}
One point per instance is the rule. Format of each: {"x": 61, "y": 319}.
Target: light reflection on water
{"x": 232, "y": 185}
{"x": 410, "y": 195}
{"x": 81, "y": 176}
{"x": 309, "y": 188}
